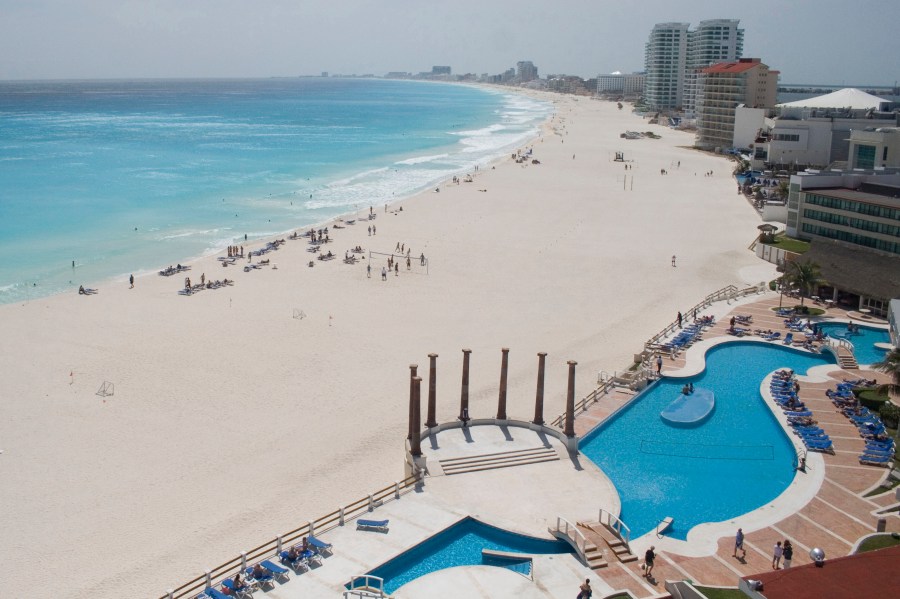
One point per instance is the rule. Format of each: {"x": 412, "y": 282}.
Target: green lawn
{"x": 789, "y": 244}
{"x": 721, "y": 593}
{"x": 879, "y": 542}
{"x": 892, "y": 482}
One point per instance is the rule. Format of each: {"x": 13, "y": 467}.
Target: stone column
{"x": 412, "y": 375}
{"x": 539, "y": 396}
{"x": 501, "y": 401}
{"x": 431, "y": 422}
{"x": 464, "y": 393}
{"x": 570, "y": 401}
{"x": 415, "y": 445}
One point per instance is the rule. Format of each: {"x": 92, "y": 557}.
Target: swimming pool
{"x": 863, "y": 341}
{"x": 736, "y": 461}
{"x": 461, "y": 545}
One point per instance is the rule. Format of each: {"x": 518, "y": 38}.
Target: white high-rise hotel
{"x": 675, "y": 53}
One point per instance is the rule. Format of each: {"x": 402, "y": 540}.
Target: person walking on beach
{"x": 649, "y": 557}
{"x": 777, "y": 552}
{"x": 370, "y": 230}
{"x": 383, "y": 274}
{"x": 408, "y": 263}
{"x": 374, "y": 230}
{"x": 673, "y": 260}
{"x": 396, "y": 269}
{"x": 739, "y": 544}
{"x": 422, "y": 259}
{"x": 131, "y": 281}
{"x": 788, "y": 554}
{"x": 368, "y": 271}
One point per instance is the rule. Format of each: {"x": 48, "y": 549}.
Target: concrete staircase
{"x": 846, "y": 359}
{"x": 602, "y": 536}
{"x": 503, "y": 459}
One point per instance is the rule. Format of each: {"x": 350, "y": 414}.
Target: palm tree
{"x": 806, "y": 276}
{"x": 890, "y": 365}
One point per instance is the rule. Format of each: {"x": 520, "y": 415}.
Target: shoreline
{"x": 54, "y": 279}
{"x": 231, "y": 420}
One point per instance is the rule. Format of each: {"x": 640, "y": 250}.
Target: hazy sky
{"x": 809, "y": 41}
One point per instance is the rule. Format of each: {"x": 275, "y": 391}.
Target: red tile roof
{"x": 870, "y": 574}
{"x": 730, "y": 67}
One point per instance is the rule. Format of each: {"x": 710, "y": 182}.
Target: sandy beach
{"x": 233, "y": 421}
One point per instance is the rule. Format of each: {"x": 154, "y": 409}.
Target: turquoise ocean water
{"x": 130, "y": 176}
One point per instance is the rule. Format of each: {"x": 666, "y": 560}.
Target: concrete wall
{"x": 747, "y": 123}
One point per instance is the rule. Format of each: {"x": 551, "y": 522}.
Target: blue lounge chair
{"x": 788, "y": 339}
{"x": 319, "y": 545}
{"x": 214, "y": 594}
{"x": 873, "y": 460}
{"x": 276, "y": 570}
{"x": 244, "y": 591}
{"x": 377, "y": 525}
{"x": 794, "y": 414}
{"x": 297, "y": 564}
{"x": 264, "y": 579}
{"x": 820, "y": 445}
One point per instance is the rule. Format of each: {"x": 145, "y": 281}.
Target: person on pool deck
{"x": 739, "y": 544}
{"x": 586, "y": 590}
{"x": 648, "y": 561}
{"x": 777, "y": 552}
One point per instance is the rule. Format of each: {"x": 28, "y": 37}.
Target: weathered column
{"x": 539, "y": 395}
{"x": 412, "y": 375}
{"x": 432, "y": 391}
{"x": 570, "y": 401}
{"x": 464, "y": 393}
{"x": 501, "y": 401}
{"x": 415, "y": 445}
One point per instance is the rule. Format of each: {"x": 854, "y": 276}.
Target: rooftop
{"x": 849, "y": 97}
{"x": 871, "y": 574}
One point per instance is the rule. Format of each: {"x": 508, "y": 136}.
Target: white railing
{"x": 573, "y": 535}
{"x": 586, "y": 402}
{"x": 365, "y": 585}
{"x": 617, "y": 526}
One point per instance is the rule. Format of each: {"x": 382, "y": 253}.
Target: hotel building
{"x": 721, "y": 88}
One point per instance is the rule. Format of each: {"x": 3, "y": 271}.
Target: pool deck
{"x": 521, "y": 480}
{"x": 832, "y": 518}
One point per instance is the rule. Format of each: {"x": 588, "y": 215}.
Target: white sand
{"x": 232, "y": 421}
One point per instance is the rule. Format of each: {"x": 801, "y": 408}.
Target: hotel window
{"x": 865, "y": 156}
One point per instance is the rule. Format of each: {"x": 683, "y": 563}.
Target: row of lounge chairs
{"x": 173, "y": 270}
{"x": 264, "y": 574}
{"x": 208, "y": 285}
{"x": 879, "y": 448}
{"x": 784, "y": 390}
{"x": 687, "y": 336}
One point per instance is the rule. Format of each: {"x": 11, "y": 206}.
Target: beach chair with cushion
{"x": 320, "y": 546}
{"x": 312, "y": 558}
{"x": 874, "y": 460}
{"x": 277, "y": 571}
{"x": 243, "y": 591}
{"x": 265, "y": 579}
{"x": 788, "y": 339}
{"x": 212, "y": 593}
{"x": 297, "y": 564}
{"x": 824, "y": 445}
{"x": 376, "y": 525}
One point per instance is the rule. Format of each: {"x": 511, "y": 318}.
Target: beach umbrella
{"x": 766, "y": 232}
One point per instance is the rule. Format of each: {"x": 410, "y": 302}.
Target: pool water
{"x": 733, "y": 463}
{"x": 864, "y": 341}
{"x": 461, "y": 545}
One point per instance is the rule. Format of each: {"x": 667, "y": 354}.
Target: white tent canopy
{"x": 849, "y": 97}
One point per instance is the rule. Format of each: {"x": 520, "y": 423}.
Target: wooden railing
{"x": 272, "y": 547}
{"x": 725, "y": 293}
